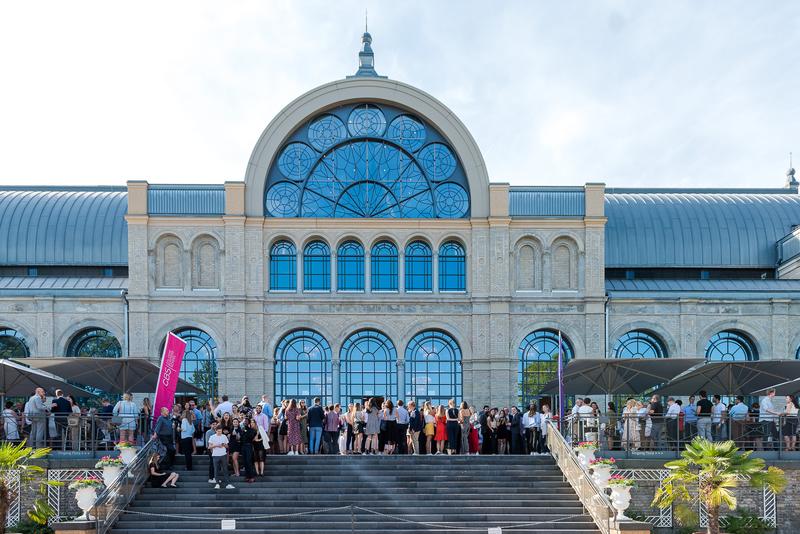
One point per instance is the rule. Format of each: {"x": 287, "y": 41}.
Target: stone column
{"x": 401, "y": 377}
{"x": 336, "y": 394}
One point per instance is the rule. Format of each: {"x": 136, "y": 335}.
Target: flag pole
{"x": 560, "y": 383}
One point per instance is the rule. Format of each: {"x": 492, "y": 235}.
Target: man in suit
{"x": 515, "y": 419}
{"x": 485, "y": 431}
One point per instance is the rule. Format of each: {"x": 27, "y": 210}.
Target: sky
{"x": 630, "y": 93}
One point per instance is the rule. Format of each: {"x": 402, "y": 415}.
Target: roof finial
{"x": 790, "y": 180}
{"x": 366, "y": 58}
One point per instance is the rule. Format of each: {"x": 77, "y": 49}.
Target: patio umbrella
{"x": 112, "y": 375}
{"x": 792, "y": 387}
{"x": 17, "y": 380}
{"x": 732, "y": 377}
{"x": 626, "y": 376}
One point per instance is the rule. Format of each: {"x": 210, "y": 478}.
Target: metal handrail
{"x": 593, "y": 499}
{"x": 116, "y": 497}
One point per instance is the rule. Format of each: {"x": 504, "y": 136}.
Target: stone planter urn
{"x": 620, "y": 500}
{"x": 85, "y": 498}
{"x": 110, "y": 474}
{"x": 127, "y": 454}
{"x": 585, "y": 455}
{"x": 600, "y": 474}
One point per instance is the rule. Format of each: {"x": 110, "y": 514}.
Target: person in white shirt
{"x": 544, "y": 417}
{"x": 223, "y": 407}
{"x": 673, "y": 412}
{"x": 10, "y": 422}
{"x": 588, "y": 421}
{"x": 768, "y": 417}
{"x": 531, "y": 422}
{"x": 218, "y": 444}
{"x": 718, "y": 415}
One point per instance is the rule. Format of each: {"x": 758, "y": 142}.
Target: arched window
{"x": 199, "y": 366}
{"x": 538, "y": 363}
{"x": 452, "y": 267}
{"x": 433, "y": 368}
{"x": 283, "y": 267}
{"x": 384, "y": 266}
{"x": 12, "y": 344}
{"x": 639, "y": 344}
{"x": 418, "y": 267}
{"x": 350, "y": 267}
{"x": 317, "y": 267}
{"x": 303, "y": 367}
{"x": 368, "y": 363}
{"x": 730, "y": 345}
{"x": 94, "y": 343}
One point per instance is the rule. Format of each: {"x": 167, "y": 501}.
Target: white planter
{"x": 128, "y": 454}
{"x": 620, "y": 500}
{"x": 585, "y": 456}
{"x": 85, "y": 498}
{"x": 110, "y": 474}
{"x": 601, "y": 474}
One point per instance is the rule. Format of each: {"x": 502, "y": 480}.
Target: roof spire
{"x": 790, "y": 179}
{"x": 366, "y": 58}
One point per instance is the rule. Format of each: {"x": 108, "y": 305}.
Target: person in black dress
{"x": 161, "y": 479}
{"x": 452, "y": 427}
{"x": 246, "y": 436}
{"x": 235, "y": 446}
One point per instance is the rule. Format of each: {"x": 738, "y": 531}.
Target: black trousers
{"x": 169, "y": 458}
{"x": 400, "y": 440}
{"x": 186, "y": 449}
{"x": 331, "y": 441}
{"x": 210, "y": 465}
{"x": 517, "y": 446}
{"x": 247, "y": 453}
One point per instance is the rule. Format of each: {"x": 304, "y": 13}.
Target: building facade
{"x": 368, "y": 253}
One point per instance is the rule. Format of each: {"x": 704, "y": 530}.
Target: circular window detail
{"x": 407, "y": 132}
{"x": 325, "y": 132}
{"x": 438, "y": 161}
{"x": 283, "y": 200}
{"x": 367, "y": 121}
{"x": 451, "y": 201}
{"x": 296, "y": 160}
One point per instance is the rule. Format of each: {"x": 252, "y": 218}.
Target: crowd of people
{"x": 653, "y": 425}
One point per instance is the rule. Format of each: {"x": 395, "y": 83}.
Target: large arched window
{"x": 317, "y": 267}
{"x": 94, "y": 343}
{"x": 639, "y": 344}
{"x": 730, "y": 345}
{"x": 283, "y": 267}
{"x": 350, "y": 267}
{"x": 12, "y": 344}
{"x": 433, "y": 368}
{"x": 368, "y": 360}
{"x": 199, "y": 365}
{"x": 366, "y": 160}
{"x": 384, "y": 266}
{"x": 538, "y": 363}
{"x": 418, "y": 267}
{"x": 303, "y": 367}
{"x": 452, "y": 267}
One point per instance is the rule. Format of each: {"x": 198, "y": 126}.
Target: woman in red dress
{"x": 441, "y": 429}
{"x": 293, "y": 427}
{"x": 474, "y": 438}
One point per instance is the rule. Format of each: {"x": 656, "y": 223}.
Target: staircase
{"x": 471, "y": 493}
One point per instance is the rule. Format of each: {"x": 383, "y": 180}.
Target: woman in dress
{"x": 126, "y": 411}
{"x": 452, "y": 426}
{"x": 474, "y": 434}
{"x": 303, "y": 426}
{"x": 75, "y": 423}
{"x": 10, "y": 422}
{"x": 284, "y": 428}
{"x": 159, "y": 479}
{"x": 441, "y": 429}
{"x": 389, "y": 426}
{"x": 630, "y": 426}
{"x": 463, "y": 421}
{"x": 611, "y": 426}
{"x": 357, "y": 416}
{"x": 503, "y": 432}
{"x": 545, "y": 416}
{"x": 274, "y": 425}
{"x": 790, "y": 424}
{"x": 145, "y": 416}
{"x": 373, "y": 426}
{"x": 235, "y": 445}
{"x": 294, "y": 440}
{"x": 430, "y": 428}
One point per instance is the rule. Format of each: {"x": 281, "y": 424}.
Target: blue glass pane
{"x": 283, "y": 267}
{"x": 94, "y": 343}
{"x": 367, "y": 121}
{"x": 729, "y": 345}
{"x": 368, "y": 362}
{"x": 296, "y": 160}
{"x": 384, "y": 266}
{"x": 350, "y": 267}
{"x": 316, "y": 267}
{"x": 433, "y": 368}
{"x": 12, "y": 344}
{"x": 199, "y": 365}
{"x": 452, "y": 267}
{"x": 451, "y": 201}
{"x": 438, "y": 161}
{"x": 302, "y": 367}
{"x": 325, "y": 132}
{"x": 639, "y": 344}
{"x": 538, "y": 363}
{"x": 283, "y": 199}
{"x": 407, "y": 132}
{"x": 418, "y": 267}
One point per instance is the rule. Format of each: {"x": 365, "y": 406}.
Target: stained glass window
{"x": 639, "y": 344}
{"x": 452, "y": 267}
{"x": 94, "y": 343}
{"x": 384, "y": 266}
{"x": 730, "y": 345}
{"x": 368, "y": 366}
{"x": 365, "y": 160}
{"x": 350, "y": 267}
{"x": 303, "y": 367}
{"x": 12, "y": 344}
{"x": 538, "y": 363}
{"x": 433, "y": 368}
{"x": 283, "y": 267}
{"x": 418, "y": 267}
{"x": 316, "y": 267}
{"x": 199, "y": 365}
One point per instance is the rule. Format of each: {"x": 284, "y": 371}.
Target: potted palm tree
{"x": 16, "y": 457}
{"x": 714, "y": 469}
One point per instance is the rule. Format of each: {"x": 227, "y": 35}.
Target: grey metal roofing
{"x": 697, "y": 229}
{"x": 63, "y": 226}
{"x": 723, "y": 289}
{"x": 61, "y": 285}
{"x": 546, "y": 201}
{"x": 186, "y": 200}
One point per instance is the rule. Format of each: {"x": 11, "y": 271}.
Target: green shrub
{"x": 745, "y": 522}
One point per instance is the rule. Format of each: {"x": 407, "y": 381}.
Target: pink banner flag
{"x": 168, "y": 375}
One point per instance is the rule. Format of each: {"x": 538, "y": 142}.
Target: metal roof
{"x": 186, "y": 200}
{"x": 546, "y": 202}
{"x": 61, "y": 285}
{"x": 723, "y": 289}
{"x": 697, "y": 229}
{"x": 63, "y": 226}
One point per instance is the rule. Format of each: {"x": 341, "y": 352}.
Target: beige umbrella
{"x": 17, "y": 380}
{"x": 732, "y": 377}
